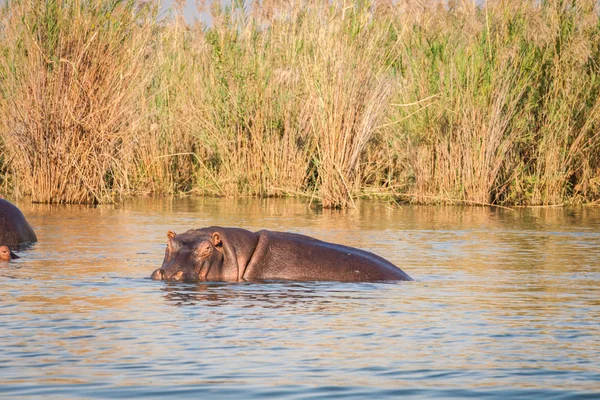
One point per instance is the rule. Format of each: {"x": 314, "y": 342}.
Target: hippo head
{"x": 6, "y": 254}
{"x": 190, "y": 256}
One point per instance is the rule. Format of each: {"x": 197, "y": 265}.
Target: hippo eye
{"x": 203, "y": 251}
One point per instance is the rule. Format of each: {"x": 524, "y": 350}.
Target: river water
{"x": 506, "y": 304}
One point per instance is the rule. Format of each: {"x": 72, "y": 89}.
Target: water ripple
{"x": 504, "y": 306}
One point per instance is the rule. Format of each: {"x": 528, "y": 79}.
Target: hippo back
{"x": 290, "y": 256}
{"x": 14, "y": 228}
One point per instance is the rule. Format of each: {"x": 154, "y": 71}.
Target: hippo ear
{"x": 171, "y": 234}
{"x": 216, "y": 239}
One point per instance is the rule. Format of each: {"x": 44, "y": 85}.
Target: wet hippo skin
{"x": 14, "y": 228}
{"x": 234, "y": 254}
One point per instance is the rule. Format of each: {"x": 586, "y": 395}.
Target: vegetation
{"x": 428, "y": 102}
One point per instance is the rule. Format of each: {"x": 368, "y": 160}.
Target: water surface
{"x": 505, "y": 304}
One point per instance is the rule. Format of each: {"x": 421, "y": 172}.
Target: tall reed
{"x": 430, "y": 102}
{"x": 73, "y": 77}
{"x": 244, "y": 108}
{"x": 290, "y": 108}
{"x": 510, "y": 106}
{"x": 347, "y": 92}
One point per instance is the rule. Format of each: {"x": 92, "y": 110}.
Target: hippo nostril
{"x": 178, "y": 275}
{"x": 158, "y": 275}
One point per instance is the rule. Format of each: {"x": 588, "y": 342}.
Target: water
{"x": 506, "y": 304}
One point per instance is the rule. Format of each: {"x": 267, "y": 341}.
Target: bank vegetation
{"x": 428, "y": 102}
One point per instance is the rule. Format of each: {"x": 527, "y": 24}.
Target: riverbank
{"x": 429, "y": 104}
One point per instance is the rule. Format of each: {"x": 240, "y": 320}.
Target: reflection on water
{"x": 505, "y": 305}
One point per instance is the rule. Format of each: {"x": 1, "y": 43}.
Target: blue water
{"x": 506, "y": 305}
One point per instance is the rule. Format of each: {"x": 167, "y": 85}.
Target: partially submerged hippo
{"x": 14, "y": 228}
{"x": 6, "y": 254}
{"x": 234, "y": 254}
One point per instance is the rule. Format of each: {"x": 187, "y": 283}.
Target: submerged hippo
{"x": 234, "y": 254}
{"x": 14, "y": 229}
{"x": 6, "y": 255}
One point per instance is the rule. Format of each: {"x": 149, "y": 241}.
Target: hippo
{"x": 14, "y": 229}
{"x": 236, "y": 255}
{"x": 6, "y": 254}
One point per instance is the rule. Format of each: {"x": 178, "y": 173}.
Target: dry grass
{"x": 333, "y": 101}
{"x": 73, "y": 75}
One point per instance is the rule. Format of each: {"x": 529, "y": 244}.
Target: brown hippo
{"x": 234, "y": 254}
{"x": 14, "y": 229}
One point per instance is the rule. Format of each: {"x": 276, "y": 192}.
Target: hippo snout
{"x": 162, "y": 275}
{"x": 158, "y": 275}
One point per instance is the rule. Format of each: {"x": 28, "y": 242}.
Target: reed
{"x": 511, "y": 110}
{"x": 347, "y": 92}
{"x": 289, "y": 109}
{"x": 73, "y": 74}
{"x": 244, "y": 108}
{"x": 162, "y": 156}
{"x": 491, "y": 104}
